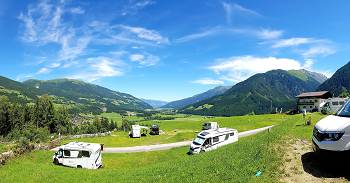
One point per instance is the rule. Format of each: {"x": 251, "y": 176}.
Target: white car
{"x": 79, "y": 155}
{"x": 208, "y": 140}
{"x": 332, "y": 133}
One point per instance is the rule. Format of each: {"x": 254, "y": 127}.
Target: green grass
{"x": 237, "y": 162}
{"x": 3, "y": 148}
{"x": 180, "y": 129}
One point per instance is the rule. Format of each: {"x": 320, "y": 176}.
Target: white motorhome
{"x": 332, "y": 105}
{"x": 208, "y": 140}
{"x": 210, "y": 125}
{"x": 333, "y": 132}
{"x": 79, "y": 155}
{"x": 137, "y": 131}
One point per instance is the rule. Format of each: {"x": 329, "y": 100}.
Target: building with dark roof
{"x": 312, "y": 101}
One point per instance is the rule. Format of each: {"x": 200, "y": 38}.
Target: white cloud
{"x": 232, "y": 8}
{"x": 146, "y": 34}
{"x": 98, "y": 68}
{"x": 44, "y": 70}
{"x": 208, "y": 81}
{"x": 236, "y": 69}
{"x": 295, "y": 41}
{"x": 203, "y": 34}
{"x": 45, "y": 26}
{"x": 133, "y": 7}
{"x": 266, "y": 34}
{"x": 318, "y": 50}
{"x": 269, "y": 34}
{"x": 77, "y": 10}
{"x": 144, "y": 60}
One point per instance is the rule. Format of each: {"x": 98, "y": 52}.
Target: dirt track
{"x": 171, "y": 145}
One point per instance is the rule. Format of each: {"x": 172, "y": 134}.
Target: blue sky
{"x": 170, "y": 50}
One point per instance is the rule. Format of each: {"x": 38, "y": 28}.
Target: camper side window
{"x": 226, "y": 137}
{"x": 232, "y": 134}
{"x": 215, "y": 139}
{"x": 66, "y": 153}
{"x": 85, "y": 154}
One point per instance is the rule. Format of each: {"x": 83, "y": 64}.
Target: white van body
{"x": 79, "y": 155}
{"x": 135, "y": 131}
{"x": 208, "y": 140}
{"x": 210, "y": 125}
{"x": 333, "y": 132}
{"x": 334, "y": 104}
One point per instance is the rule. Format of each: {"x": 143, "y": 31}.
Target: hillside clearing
{"x": 180, "y": 129}
{"x": 237, "y": 162}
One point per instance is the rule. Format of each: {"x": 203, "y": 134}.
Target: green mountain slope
{"x": 178, "y": 104}
{"x": 18, "y": 92}
{"x": 260, "y": 93}
{"x": 339, "y": 81}
{"x": 87, "y": 97}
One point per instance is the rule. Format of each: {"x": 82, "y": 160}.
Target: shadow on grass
{"x": 327, "y": 164}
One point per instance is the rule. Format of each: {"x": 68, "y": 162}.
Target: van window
{"x": 66, "y": 153}
{"x": 84, "y": 154}
{"x": 226, "y": 137}
{"x": 232, "y": 134}
{"x": 215, "y": 139}
{"x": 341, "y": 103}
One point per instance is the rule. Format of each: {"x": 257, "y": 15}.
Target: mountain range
{"x": 77, "y": 95}
{"x": 338, "y": 82}
{"x": 261, "y": 93}
{"x": 155, "y": 103}
{"x": 178, "y": 104}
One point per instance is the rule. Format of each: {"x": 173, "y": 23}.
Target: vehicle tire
{"x": 79, "y": 166}
{"x": 55, "y": 161}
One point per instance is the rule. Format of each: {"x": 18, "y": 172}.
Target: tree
{"x": 44, "y": 113}
{"x": 104, "y": 124}
{"x": 112, "y": 125}
{"x": 15, "y": 117}
{"x": 126, "y": 125}
{"x": 97, "y": 124}
{"x": 344, "y": 93}
{"x": 5, "y": 125}
{"x": 62, "y": 122}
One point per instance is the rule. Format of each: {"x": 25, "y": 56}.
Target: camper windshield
{"x": 198, "y": 141}
{"x": 345, "y": 110}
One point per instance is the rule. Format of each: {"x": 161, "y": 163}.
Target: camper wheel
{"x": 79, "y": 166}
{"x": 55, "y": 161}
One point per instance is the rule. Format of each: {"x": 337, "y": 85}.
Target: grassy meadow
{"x": 237, "y": 162}
{"x": 180, "y": 129}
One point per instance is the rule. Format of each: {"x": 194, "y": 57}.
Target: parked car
{"x": 332, "y": 133}
{"x": 208, "y": 140}
{"x": 79, "y": 155}
{"x": 154, "y": 130}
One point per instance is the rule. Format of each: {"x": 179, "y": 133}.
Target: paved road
{"x": 159, "y": 147}
{"x": 171, "y": 145}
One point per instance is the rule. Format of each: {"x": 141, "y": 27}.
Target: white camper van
{"x": 333, "y": 132}
{"x": 332, "y": 105}
{"x": 137, "y": 131}
{"x": 79, "y": 155}
{"x": 210, "y": 125}
{"x": 211, "y": 139}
